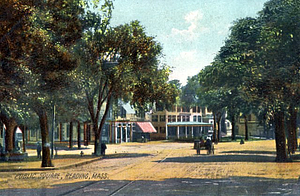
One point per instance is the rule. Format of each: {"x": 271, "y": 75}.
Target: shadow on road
{"x": 251, "y": 152}
{"x": 126, "y": 155}
{"x": 221, "y": 158}
{"x": 174, "y": 186}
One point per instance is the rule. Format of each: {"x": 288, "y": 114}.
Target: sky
{"x": 191, "y": 32}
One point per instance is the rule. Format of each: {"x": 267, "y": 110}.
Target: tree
{"x": 118, "y": 63}
{"x": 39, "y": 50}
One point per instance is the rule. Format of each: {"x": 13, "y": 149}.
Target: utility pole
{"x": 53, "y": 128}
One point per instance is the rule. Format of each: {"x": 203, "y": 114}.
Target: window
{"x": 178, "y": 118}
{"x": 195, "y": 118}
{"x": 198, "y": 109}
{"x": 156, "y": 128}
{"x": 194, "y": 109}
{"x": 185, "y": 118}
{"x": 163, "y": 130}
{"x": 162, "y": 118}
{"x": 169, "y": 118}
{"x": 154, "y": 118}
{"x": 68, "y": 131}
{"x": 199, "y": 118}
{"x": 173, "y": 118}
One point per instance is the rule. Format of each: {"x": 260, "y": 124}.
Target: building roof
{"x": 189, "y": 124}
{"x": 146, "y": 127}
{"x": 128, "y": 108}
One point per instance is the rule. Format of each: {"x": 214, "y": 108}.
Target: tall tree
{"x": 39, "y": 50}
{"x": 120, "y": 62}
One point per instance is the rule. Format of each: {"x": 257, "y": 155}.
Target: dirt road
{"x": 164, "y": 161}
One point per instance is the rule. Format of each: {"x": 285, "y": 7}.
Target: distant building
{"x": 181, "y": 122}
{"x": 127, "y": 127}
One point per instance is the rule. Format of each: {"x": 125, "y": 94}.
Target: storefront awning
{"x": 146, "y": 127}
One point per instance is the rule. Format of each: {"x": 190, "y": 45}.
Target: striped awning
{"x": 146, "y": 127}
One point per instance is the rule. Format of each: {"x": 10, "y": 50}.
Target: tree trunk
{"x": 294, "y": 127}
{"x": 96, "y": 148}
{"x": 60, "y": 132}
{"x": 71, "y": 135}
{"x": 219, "y": 131}
{"x": 85, "y": 125}
{"x": 10, "y": 124}
{"x": 46, "y": 158}
{"x": 246, "y": 128}
{"x": 78, "y": 136}
{"x": 233, "y": 128}
{"x": 292, "y": 133}
{"x": 14, "y": 137}
{"x": 102, "y": 122}
{"x": 215, "y": 128}
{"x": 219, "y": 117}
{"x": 280, "y": 137}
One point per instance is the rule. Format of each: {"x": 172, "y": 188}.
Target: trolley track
{"x": 127, "y": 184}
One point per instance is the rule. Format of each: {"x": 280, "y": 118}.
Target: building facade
{"x": 162, "y": 119}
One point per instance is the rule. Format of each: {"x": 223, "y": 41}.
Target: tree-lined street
{"x": 164, "y": 168}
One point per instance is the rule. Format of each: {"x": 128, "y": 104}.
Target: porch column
{"x": 131, "y": 136}
{"x": 192, "y": 131}
{"x": 167, "y": 136}
{"x": 186, "y": 132}
{"x": 116, "y": 133}
{"x": 126, "y": 132}
{"x": 177, "y": 132}
{"x": 110, "y": 132}
{"x": 121, "y": 133}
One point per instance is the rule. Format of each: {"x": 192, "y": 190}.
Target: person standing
{"x": 198, "y": 147}
{"x": 103, "y": 148}
{"x": 39, "y": 150}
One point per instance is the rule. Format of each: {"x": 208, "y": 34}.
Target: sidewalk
{"x": 65, "y": 158}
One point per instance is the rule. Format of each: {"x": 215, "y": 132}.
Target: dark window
{"x": 68, "y": 130}
{"x": 163, "y": 130}
{"x": 195, "y": 118}
{"x": 187, "y": 118}
{"x": 156, "y": 129}
{"x": 199, "y": 118}
{"x": 198, "y": 109}
{"x": 162, "y": 118}
{"x": 173, "y": 118}
{"x": 169, "y": 118}
{"x": 178, "y": 118}
{"x": 154, "y": 118}
{"x": 194, "y": 109}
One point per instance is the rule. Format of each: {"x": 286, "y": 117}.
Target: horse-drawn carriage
{"x": 204, "y": 145}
